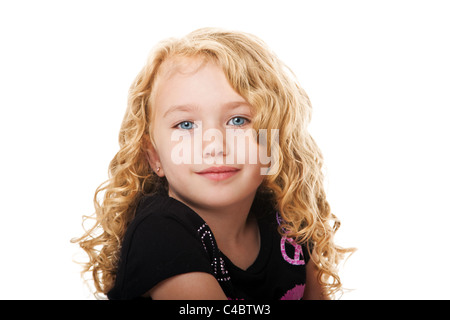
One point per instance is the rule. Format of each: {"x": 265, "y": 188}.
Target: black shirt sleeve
{"x": 158, "y": 245}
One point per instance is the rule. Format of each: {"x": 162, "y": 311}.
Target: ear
{"x": 152, "y": 157}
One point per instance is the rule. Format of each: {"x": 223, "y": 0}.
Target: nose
{"x": 214, "y": 145}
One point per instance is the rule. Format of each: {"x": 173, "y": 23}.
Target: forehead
{"x": 196, "y": 81}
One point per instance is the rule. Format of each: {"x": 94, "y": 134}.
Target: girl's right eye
{"x": 186, "y": 125}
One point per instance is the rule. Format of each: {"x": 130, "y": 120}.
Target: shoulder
{"x": 159, "y": 216}
{"x": 163, "y": 226}
{"x": 162, "y": 241}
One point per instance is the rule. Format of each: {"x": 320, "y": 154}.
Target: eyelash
{"x": 178, "y": 125}
{"x": 246, "y": 121}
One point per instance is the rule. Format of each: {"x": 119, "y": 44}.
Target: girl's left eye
{"x": 237, "y": 121}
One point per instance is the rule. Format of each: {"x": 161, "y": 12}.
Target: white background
{"x": 377, "y": 73}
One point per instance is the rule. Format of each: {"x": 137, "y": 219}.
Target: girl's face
{"x": 195, "y": 110}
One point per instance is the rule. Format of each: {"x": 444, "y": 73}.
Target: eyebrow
{"x": 182, "y": 108}
{"x": 192, "y": 107}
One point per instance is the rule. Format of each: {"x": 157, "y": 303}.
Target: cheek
{"x": 253, "y": 177}
{"x": 242, "y": 148}
{"x": 172, "y": 155}
{"x": 180, "y": 149}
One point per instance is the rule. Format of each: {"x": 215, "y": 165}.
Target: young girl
{"x": 186, "y": 214}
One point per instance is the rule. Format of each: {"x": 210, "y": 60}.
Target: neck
{"x": 229, "y": 224}
{"x": 235, "y": 230}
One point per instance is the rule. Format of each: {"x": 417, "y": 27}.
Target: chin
{"x": 216, "y": 200}
{"x": 213, "y": 197}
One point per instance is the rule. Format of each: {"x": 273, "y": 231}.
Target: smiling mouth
{"x": 218, "y": 173}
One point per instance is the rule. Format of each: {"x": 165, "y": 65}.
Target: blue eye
{"x": 237, "y": 121}
{"x": 186, "y": 125}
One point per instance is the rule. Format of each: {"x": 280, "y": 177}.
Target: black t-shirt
{"x": 167, "y": 238}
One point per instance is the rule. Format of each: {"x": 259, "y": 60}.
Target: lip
{"x": 218, "y": 173}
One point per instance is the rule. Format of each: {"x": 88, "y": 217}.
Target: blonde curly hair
{"x": 296, "y": 188}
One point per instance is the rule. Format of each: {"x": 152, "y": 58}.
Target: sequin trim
{"x": 217, "y": 264}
